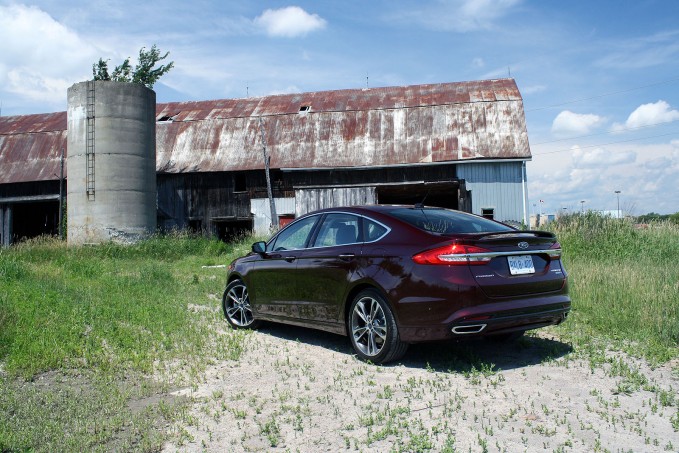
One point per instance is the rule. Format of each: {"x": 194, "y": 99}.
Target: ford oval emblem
{"x": 523, "y": 245}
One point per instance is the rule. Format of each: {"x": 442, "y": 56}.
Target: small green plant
{"x": 675, "y": 420}
{"x": 272, "y": 432}
{"x": 144, "y": 73}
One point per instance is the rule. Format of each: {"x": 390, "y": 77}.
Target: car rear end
{"x": 521, "y": 284}
{"x": 483, "y": 283}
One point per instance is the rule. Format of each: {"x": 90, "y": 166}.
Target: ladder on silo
{"x": 89, "y": 142}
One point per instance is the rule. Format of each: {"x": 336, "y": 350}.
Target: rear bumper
{"x": 491, "y": 319}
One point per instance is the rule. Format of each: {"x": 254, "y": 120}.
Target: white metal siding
{"x": 261, "y": 210}
{"x": 307, "y": 200}
{"x": 498, "y": 186}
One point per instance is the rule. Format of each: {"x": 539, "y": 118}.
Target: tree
{"x": 145, "y": 72}
{"x": 100, "y": 70}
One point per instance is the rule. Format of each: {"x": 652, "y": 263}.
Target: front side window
{"x": 295, "y": 236}
{"x": 338, "y": 229}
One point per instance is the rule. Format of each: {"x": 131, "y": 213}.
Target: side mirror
{"x": 259, "y": 247}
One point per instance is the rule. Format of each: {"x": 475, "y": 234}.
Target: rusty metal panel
{"x": 348, "y": 128}
{"x": 30, "y": 147}
{"x": 445, "y": 122}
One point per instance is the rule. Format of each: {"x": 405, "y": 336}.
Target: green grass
{"x": 93, "y": 339}
{"x": 101, "y": 315}
{"x": 624, "y": 283}
{"x": 104, "y": 307}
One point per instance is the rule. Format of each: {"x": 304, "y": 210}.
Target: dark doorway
{"x": 195, "y": 226}
{"x": 229, "y": 229}
{"x": 34, "y": 219}
{"x": 442, "y": 195}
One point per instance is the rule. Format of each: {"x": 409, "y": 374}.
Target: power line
{"x": 664, "y": 82}
{"x": 610, "y": 131}
{"x": 606, "y": 144}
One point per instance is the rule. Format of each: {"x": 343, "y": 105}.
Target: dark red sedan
{"x": 387, "y": 276}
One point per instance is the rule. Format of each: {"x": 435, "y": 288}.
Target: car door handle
{"x": 290, "y": 259}
{"x": 347, "y": 256}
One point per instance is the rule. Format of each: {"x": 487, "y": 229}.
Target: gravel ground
{"x": 302, "y": 390}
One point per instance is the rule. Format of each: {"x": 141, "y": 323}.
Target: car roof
{"x": 379, "y": 208}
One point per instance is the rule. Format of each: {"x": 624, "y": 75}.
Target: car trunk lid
{"x": 516, "y": 263}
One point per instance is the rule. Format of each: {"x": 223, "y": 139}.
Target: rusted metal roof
{"x": 341, "y": 128}
{"x": 30, "y": 147}
{"x": 346, "y": 128}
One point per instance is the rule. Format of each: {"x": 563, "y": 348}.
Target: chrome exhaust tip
{"x": 465, "y": 330}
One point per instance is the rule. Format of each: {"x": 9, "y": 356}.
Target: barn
{"x": 461, "y": 145}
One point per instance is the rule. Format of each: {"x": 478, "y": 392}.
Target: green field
{"x": 624, "y": 283}
{"x": 93, "y": 339}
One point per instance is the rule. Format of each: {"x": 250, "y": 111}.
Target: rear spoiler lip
{"x": 521, "y": 235}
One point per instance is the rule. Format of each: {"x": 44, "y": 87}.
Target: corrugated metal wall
{"x": 261, "y": 211}
{"x": 311, "y": 199}
{"x": 498, "y": 186}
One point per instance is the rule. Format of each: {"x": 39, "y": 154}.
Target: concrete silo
{"x": 111, "y": 162}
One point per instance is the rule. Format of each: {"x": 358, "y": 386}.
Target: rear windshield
{"x": 443, "y": 221}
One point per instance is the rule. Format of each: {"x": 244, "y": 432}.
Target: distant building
{"x": 612, "y": 213}
{"x": 457, "y": 145}
{"x": 540, "y": 220}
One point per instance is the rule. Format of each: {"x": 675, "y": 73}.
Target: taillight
{"x": 454, "y": 254}
{"x": 554, "y": 251}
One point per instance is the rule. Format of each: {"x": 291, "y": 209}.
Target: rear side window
{"x": 338, "y": 229}
{"x": 373, "y": 230}
{"x": 443, "y": 221}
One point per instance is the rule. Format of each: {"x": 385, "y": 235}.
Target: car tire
{"x": 236, "y": 306}
{"x": 372, "y": 329}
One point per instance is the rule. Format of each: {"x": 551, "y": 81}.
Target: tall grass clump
{"x": 108, "y": 306}
{"x": 624, "y": 281}
{"x": 88, "y": 334}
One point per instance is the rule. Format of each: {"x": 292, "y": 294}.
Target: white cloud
{"x": 569, "y": 123}
{"x": 289, "y": 22}
{"x": 643, "y": 52}
{"x": 659, "y": 163}
{"x": 40, "y": 57}
{"x": 594, "y": 175}
{"x": 458, "y": 15}
{"x": 35, "y": 86}
{"x": 649, "y": 114}
{"x": 533, "y": 89}
{"x": 601, "y": 158}
{"x": 478, "y": 62}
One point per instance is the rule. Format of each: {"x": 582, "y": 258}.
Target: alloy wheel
{"x": 369, "y": 326}
{"x": 237, "y": 305}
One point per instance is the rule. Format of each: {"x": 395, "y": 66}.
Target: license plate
{"x": 519, "y": 265}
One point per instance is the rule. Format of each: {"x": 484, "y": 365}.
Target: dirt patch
{"x": 77, "y": 410}
{"x": 296, "y": 389}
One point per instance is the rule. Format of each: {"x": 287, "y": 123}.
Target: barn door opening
{"x": 229, "y": 229}
{"x": 34, "y": 219}
{"x": 439, "y": 194}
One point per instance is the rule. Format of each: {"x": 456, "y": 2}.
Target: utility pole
{"x": 61, "y": 197}
{"x": 269, "y": 192}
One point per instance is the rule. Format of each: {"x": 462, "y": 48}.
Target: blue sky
{"x": 600, "y": 80}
